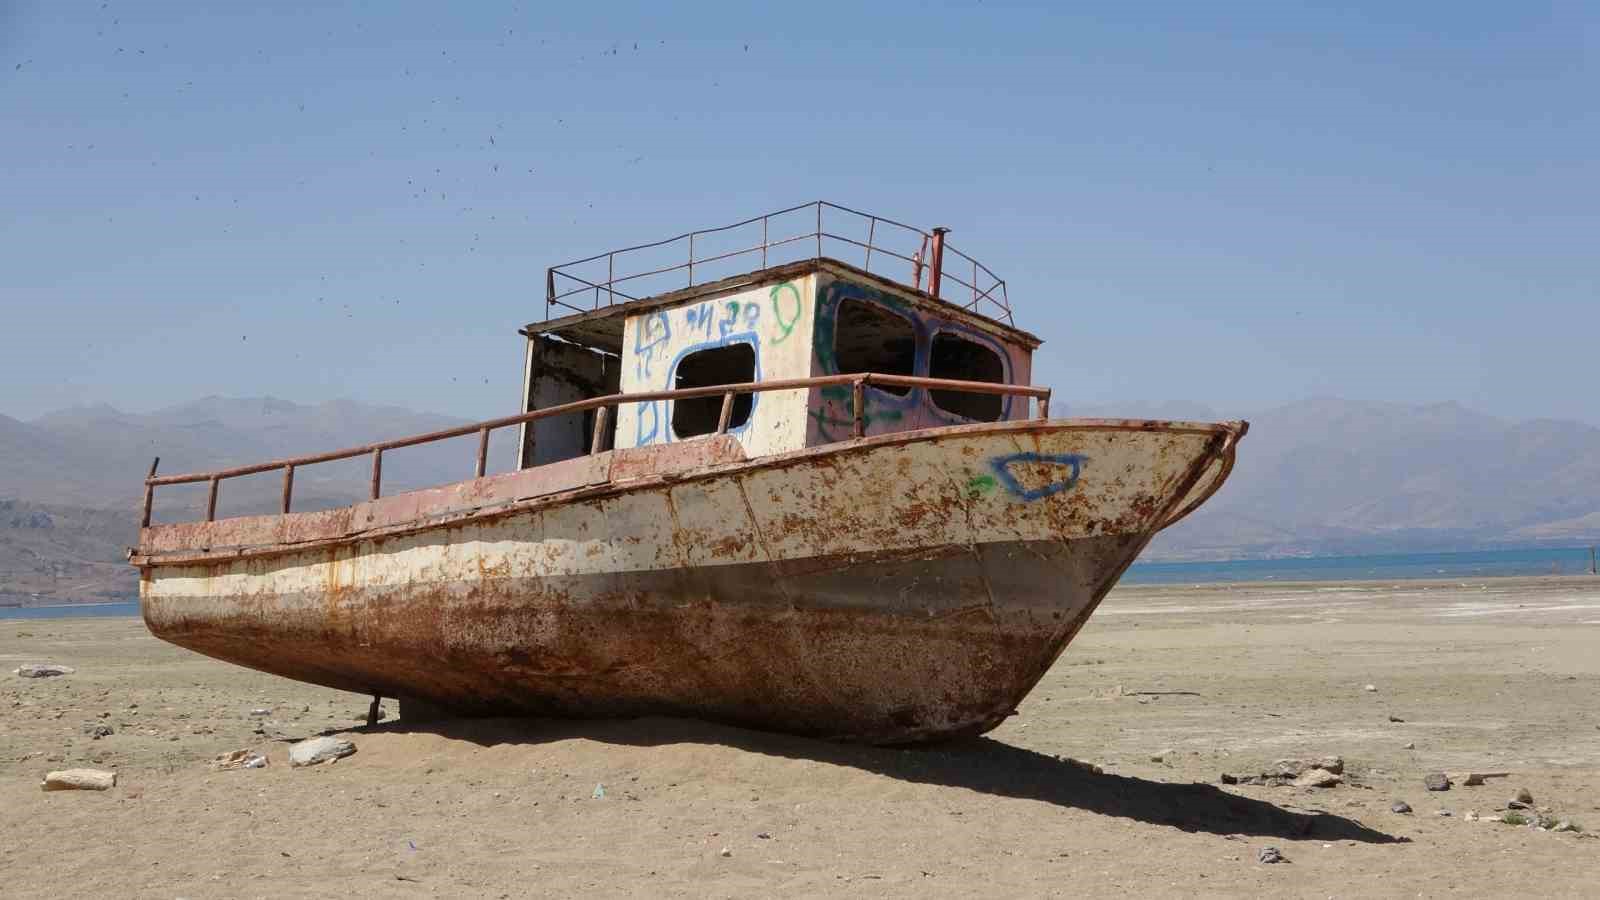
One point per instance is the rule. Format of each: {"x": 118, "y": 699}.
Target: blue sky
{"x": 1238, "y": 204}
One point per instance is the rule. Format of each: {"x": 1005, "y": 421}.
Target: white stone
{"x": 319, "y": 750}
{"x": 79, "y": 780}
{"x": 43, "y": 670}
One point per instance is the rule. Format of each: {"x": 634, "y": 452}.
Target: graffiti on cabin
{"x": 832, "y": 419}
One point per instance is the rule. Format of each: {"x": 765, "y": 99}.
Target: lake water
{"x": 71, "y": 611}
{"x": 1377, "y": 567}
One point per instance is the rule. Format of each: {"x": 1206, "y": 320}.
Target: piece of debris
{"x": 44, "y": 670}
{"x": 1270, "y": 855}
{"x": 260, "y": 712}
{"x": 1160, "y": 755}
{"x": 1445, "y": 814}
{"x": 79, "y": 780}
{"x": 319, "y": 750}
{"x": 97, "y": 730}
{"x": 239, "y": 759}
{"x": 726, "y": 852}
{"x": 1225, "y": 778}
{"x": 1370, "y": 688}
{"x": 1410, "y": 745}
{"x": 1317, "y": 778}
{"x": 1516, "y": 804}
{"x": 764, "y": 835}
{"x": 1524, "y": 795}
{"x": 1294, "y": 768}
{"x": 1437, "y": 781}
{"x": 1400, "y": 806}
{"x": 599, "y": 792}
{"x": 1395, "y": 718}
{"x": 1471, "y": 816}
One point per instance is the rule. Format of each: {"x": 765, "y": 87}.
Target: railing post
{"x": 858, "y": 395}
{"x": 691, "y": 259}
{"x": 724, "y": 417}
{"x": 764, "y": 241}
{"x": 936, "y": 264}
{"x": 611, "y": 278}
{"x": 483, "y": 451}
{"x": 288, "y": 487}
{"x": 211, "y": 500}
{"x": 549, "y": 287}
{"x": 819, "y": 229}
{"x": 377, "y": 473}
{"x": 600, "y": 416}
{"x": 872, "y": 228}
{"x": 149, "y": 495}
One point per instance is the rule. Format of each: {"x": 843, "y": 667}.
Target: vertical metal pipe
{"x": 288, "y": 487}
{"x": 872, "y": 227}
{"x": 600, "y": 416}
{"x": 763, "y": 242}
{"x": 724, "y": 417}
{"x": 974, "y": 285}
{"x": 916, "y": 266}
{"x": 483, "y": 451}
{"x": 858, "y": 395}
{"x": 149, "y": 495}
{"x": 819, "y": 229}
{"x": 549, "y": 286}
{"x": 611, "y": 277}
{"x": 936, "y": 264}
{"x": 211, "y": 501}
{"x": 691, "y": 259}
{"x": 377, "y": 473}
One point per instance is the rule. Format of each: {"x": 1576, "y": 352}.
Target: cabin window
{"x": 733, "y": 364}
{"x": 869, "y": 338}
{"x": 956, "y": 357}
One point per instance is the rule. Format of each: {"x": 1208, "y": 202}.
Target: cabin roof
{"x": 601, "y": 328}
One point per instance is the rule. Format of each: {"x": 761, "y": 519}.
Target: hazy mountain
{"x": 1318, "y": 477}
{"x": 97, "y": 456}
{"x": 1331, "y": 476}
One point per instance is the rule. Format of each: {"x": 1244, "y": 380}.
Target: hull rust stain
{"x": 895, "y": 589}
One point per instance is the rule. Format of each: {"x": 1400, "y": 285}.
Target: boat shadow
{"x": 980, "y": 764}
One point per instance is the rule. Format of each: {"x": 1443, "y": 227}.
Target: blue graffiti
{"x": 654, "y": 330}
{"x": 642, "y": 434}
{"x": 660, "y": 412}
{"x": 1002, "y": 472}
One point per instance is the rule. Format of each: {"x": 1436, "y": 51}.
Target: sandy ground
{"x": 1491, "y": 675}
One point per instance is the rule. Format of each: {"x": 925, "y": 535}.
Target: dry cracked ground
{"x": 1497, "y": 675}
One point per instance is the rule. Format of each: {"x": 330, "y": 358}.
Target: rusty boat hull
{"x": 893, "y": 589}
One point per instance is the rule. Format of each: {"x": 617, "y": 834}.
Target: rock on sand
{"x": 44, "y": 670}
{"x": 319, "y": 750}
{"x": 79, "y": 780}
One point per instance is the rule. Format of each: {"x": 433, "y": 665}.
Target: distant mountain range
{"x": 1319, "y": 477}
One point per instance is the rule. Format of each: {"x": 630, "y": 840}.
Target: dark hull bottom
{"x": 926, "y": 645}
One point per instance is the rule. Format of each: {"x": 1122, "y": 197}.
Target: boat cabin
{"x": 810, "y": 317}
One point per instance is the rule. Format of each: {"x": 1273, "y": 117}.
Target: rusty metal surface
{"x": 898, "y": 588}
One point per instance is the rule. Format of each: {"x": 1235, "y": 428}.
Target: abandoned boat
{"x": 807, "y": 497}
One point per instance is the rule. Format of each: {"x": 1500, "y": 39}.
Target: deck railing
{"x": 602, "y": 405}
{"x": 808, "y": 228}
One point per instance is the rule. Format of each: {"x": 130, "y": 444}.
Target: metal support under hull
{"x": 889, "y": 590}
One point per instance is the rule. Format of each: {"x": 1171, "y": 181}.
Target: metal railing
{"x": 984, "y": 293}
{"x": 858, "y": 383}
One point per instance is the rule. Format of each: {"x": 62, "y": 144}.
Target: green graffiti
{"x": 786, "y": 323}
{"x": 981, "y": 484}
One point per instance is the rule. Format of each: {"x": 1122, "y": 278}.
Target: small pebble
{"x": 1270, "y": 855}
{"x": 1400, "y": 806}
{"x": 726, "y": 852}
{"x": 1370, "y": 688}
